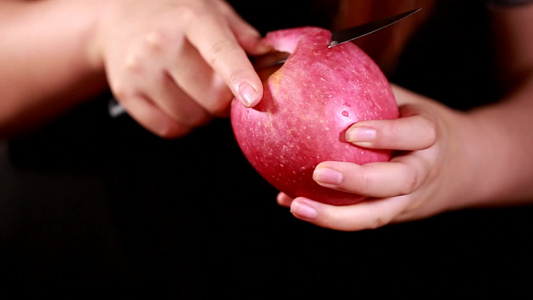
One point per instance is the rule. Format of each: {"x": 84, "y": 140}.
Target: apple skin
{"x": 308, "y": 104}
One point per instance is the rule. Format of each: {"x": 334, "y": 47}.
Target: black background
{"x": 95, "y": 206}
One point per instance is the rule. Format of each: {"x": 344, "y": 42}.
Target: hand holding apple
{"x": 307, "y": 106}
{"x": 433, "y": 174}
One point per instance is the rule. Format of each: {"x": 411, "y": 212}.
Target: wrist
{"x": 498, "y": 151}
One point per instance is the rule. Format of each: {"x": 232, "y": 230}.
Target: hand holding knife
{"x": 276, "y": 57}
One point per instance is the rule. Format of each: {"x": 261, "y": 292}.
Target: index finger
{"x": 217, "y": 44}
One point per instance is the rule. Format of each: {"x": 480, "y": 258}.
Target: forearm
{"x": 501, "y": 138}
{"x": 499, "y": 150}
{"x": 46, "y": 60}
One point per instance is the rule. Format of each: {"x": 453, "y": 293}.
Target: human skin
{"x": 56, "y": 53}
{"x": 172, "y": 64}
{"x": 450, "y": 159}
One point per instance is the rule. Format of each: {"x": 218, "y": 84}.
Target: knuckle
{"x": 132, "y": 62}
{"x": 154, "y": 40}
{"x": 163, "y": 41}
{"x": 364, "y": 183}
{"x": 171, "y": 130}
{"x": 220, "y": 49}
{"x": 187, "y": 13}
{"x": 410, "y": 182}
{"x": 430, "y": 133}
{"x": 392, "y": 134}
{"x": 377, "y": 222}
{"x": 119, "y": 92}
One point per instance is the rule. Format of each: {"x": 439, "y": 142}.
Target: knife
{"x": 277, "y": 57}
{"x": 350, "y": 34}
{"x": 274, "y": 58}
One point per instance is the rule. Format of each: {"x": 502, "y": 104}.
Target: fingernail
{"x": 361, "y": 134}
{"x": 303, "y": 210}
{"x": 247, "y": 94}
{"x": 327, "y": 176}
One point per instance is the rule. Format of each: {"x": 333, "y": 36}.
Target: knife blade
{"x": 352, "y": 33}
{"x": 275, "y": 58}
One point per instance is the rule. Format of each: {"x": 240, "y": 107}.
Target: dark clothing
{"x": 509, "y": 2}
{"x": 92, "y": 205}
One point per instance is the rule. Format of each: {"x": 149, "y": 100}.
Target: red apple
{"x": 307, "y": 106}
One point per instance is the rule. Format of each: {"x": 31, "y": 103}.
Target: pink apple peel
{"x": 306, "y": 108}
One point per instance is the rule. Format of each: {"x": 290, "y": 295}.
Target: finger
{"x": 284, "y": 200}
{"x": 173, "y": 101}
{"x": 369, "y": 214}
{"x": 188, "y": 70}
{"x": 152, "y": 118}
{"x": 128, "y": 79}
{"x": 247, "y": 36}
{"x": 139, "y": 106}
{"x": 218, "y": 46}
{"x": 155, "y": 85}
{"x": 400, "y": 176}
{"x": 195, "y": 77}
{"x": 412, "y": 131}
